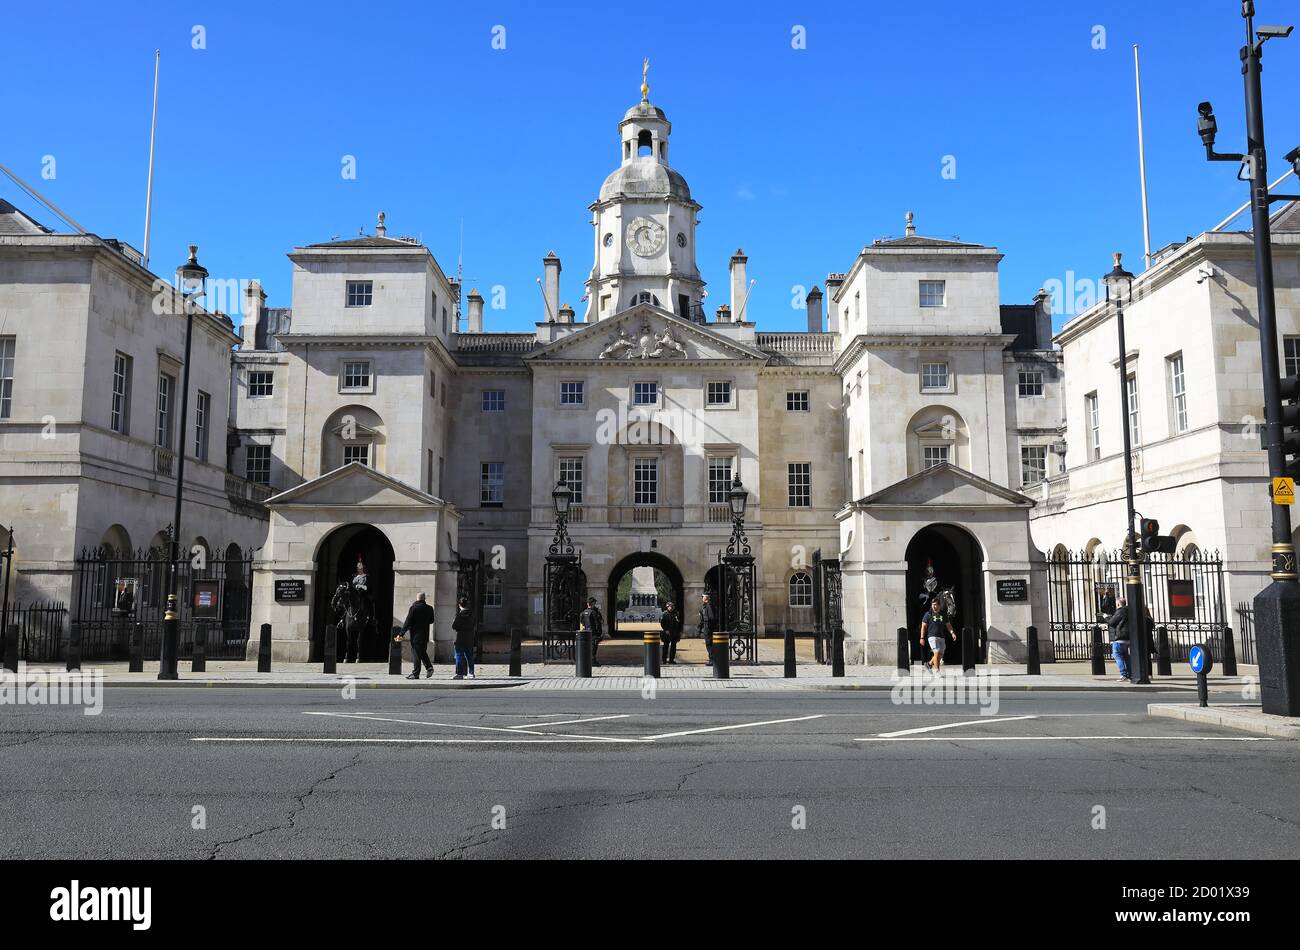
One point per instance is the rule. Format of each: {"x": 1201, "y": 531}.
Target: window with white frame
{"x": 1092, "y": 413}
{"x": 492, "y": 484}
{"x": 166, "y": 391}
{"x": 1291, "y": 354}
{"x": 932, "y": 455}
{"x": 119, "y": 415}
{"x": 572, "y": 392}
{"x": 202, "y": 412}
{"x": 719, "y": 479}
{"x": 356, "y": 375}
{"x": 718, "y": 393}
{"x": 1030, "y": 383}
{"x": 571, "y": 473}
{"x": 645, "y": 481}
{"x": 1178, "y": 392}
{"x": 1134, "y": 414}
{"x": 1033, "y": 464}
{"x": 257, "y": 464}
{"x": 801, "y": 591}
{"x": 8, "y": 345}
{"x": 493, "y": 590}
{"x": 933, "y": 293}
{"x": 796, "y": 400}
{"x": 934, "y": 377}
{"x": 645, "y": 394}
{"x": 799, "y": 484}
{"x": 494, "y": 400}
{"x": 261, "y": 383}
{"x": 361, "y": 293}
{"x": 356, "y": 452}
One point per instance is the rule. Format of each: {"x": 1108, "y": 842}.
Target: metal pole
{"x": 1142, "y": 162}
{"x": 904, "y": 649}
{"x": 9, "y": 561}
{"x": 651, "y": 647}
{"x": 1140, "y": 661}
{"x": 153, "y": 133}
{"x": 1277, "y": 607}
{"x": 790, "y": 660}
{"x": 171, "y": 619}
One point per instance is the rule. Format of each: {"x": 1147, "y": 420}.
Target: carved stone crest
{"x": 645, "y": 345}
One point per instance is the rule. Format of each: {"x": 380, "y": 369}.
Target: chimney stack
{"x": 814, "y": 301}
{"x": 738, "y": 261}
{"x": 911, "y": 228}
{"x": 381, "y": 230}
{"x": 1043, "y": 319}
{"x": 833, "y": 284}
{"x": 254, "y": 305}
{"x": 566, "y": 313}
{"x": 551, "y": 285}
{"x": 724, "y": 314}
{"x": 475, "y": 311}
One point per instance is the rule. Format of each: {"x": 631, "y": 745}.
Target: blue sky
{"x": 801, "y": 156}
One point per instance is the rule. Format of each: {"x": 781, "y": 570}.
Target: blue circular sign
{"x": 1200, "y": 659}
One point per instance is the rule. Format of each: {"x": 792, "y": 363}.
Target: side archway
{"x": 958, "y": 562}
{"x": 336, "y": 562}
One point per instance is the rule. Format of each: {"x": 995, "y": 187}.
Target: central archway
{"x": 336, "y": 561}
{"x": 958, "y": 563}
{"x": 658, "y": 563}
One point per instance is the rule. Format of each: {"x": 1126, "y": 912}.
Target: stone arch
{"x": 645, "y": 436}
{"x": 353, "y": 426}
{"x": 958, "y": 557}
{"x": 117, "y": 539}
{"x": 937, "y": 427}
{"x": 653, "y": 559}
{"x": 335, "y": 557}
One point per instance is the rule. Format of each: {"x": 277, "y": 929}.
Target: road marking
{"x": 1057, "y": 738}
{"x": 571, "y": 722}
{"x": 739, "y": 725}
{"x": 459, "y": 725}
{"x": 950, "y": 725}
{"x": 553, "y": 740}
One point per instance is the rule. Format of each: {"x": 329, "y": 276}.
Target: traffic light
{"x": 1153, "y": 542}
{"x": 1290, "y": 390}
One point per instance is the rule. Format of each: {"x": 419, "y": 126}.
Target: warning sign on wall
{"x": 1284, "y": 491}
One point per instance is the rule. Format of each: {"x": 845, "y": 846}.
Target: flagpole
{"x": 153, "y": 130}
{"x": 1142, "y": 160}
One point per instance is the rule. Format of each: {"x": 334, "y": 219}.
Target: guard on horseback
{"x": 353, "y": 611}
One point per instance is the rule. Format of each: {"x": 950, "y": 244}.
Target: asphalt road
{"x": 276, "y": 773}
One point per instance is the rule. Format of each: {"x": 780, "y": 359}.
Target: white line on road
{"x": 553, "y": 740}
{"x": 461, "y": 725}
{"x": 1057, "y": 738}
{"x": 950, "y": 725}
{"x": 570, "y": 722}
{"x": 740, "y": 725}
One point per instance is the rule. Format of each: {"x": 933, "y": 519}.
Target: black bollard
{"x": 652, "y": 647}
{"x": 1032, "y": 667}
{"x": 264, "y": 650}
{"x": 135, "y": 650}
{"x": 1164, "y": 664}
{"x": 516, "y": 651}
{"x": 904, "y": 650}
{"x": 837, "y": 653}
{"x": 582, "y": 654}
{"x": 1098, "y": 652}
{"x": 721, "y": 656}
{"x": 395, "y": 657}
{"x": 968, "y": 657}
{"x": 1229, "y": 653}
{"x": 199, "y": 659}
{"x": 791, "y": 670}
{"x": 331, "y": 648}
{"x": 11, "y": 648}
{"x": 74, "y": 647}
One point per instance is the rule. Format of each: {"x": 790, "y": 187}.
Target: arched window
{"x": 644, "y": 144}
{"x": 645, "y": 297}
{"x": 801, "y": 594}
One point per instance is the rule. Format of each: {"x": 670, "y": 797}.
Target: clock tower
{"x": 645, "y": 225}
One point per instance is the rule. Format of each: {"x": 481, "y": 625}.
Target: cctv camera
{"x": 1273, "y": 32}
{"x": 1206, "y": 125}
{"x": 1293, "y": 157}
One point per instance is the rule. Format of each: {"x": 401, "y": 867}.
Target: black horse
{"x": 353, "y": 615}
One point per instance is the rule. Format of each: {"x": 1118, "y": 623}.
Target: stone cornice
{"x": 914, "y": 341}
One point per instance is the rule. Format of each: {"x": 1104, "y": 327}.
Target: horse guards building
{"x": 916, "y": 422}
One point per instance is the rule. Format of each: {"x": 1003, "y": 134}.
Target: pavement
{"x": 1243, "y": 716}
{"x": 275, "y": 772}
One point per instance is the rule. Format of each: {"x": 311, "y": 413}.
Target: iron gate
{"x": 471, "y": 576}
{"x": 1081, "y": 587}
{"x": 104, "y": 616}
{"x": 828, "y": 613}
{"x": 739, "y": 620}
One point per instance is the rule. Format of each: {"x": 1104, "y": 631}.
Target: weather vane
{"x": 645, "y": 86}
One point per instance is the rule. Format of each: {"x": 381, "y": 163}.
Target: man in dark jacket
{"x": 708, "y": 623}
{"x": 418, "y": 621}
{"x": 592, "y": 619}
{"x": 670, "y": 622}
{"x": 1120, "y": 633}
{"x": 466, "y": 632}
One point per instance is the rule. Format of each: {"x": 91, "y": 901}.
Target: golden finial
{"x": 645, "y": 86}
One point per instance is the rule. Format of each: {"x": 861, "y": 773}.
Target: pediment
{"x": 646, "y": 334}
{"x": 354, "y": 486}
{"x": 946, "y": 486}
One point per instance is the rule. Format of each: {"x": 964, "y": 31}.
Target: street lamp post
{"x": 1277, "y": 607}
{"x": 193, "y": 280}
{"x": 1119, "y": 290}
{"x": 561, "y": 591}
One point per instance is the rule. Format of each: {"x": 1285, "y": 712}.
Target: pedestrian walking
{"x": 708, "y": 623}
{"x": 1121, "y": 635}
{"x": 932, "y": 629}
{"x": 670, "y": 623}
{"x": 466, "y": 633}
{"x": 592, "y": 619}
{"x": 418, "y": 621}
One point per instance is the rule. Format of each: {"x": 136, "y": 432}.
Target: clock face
{"x": 645, "y": 238}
